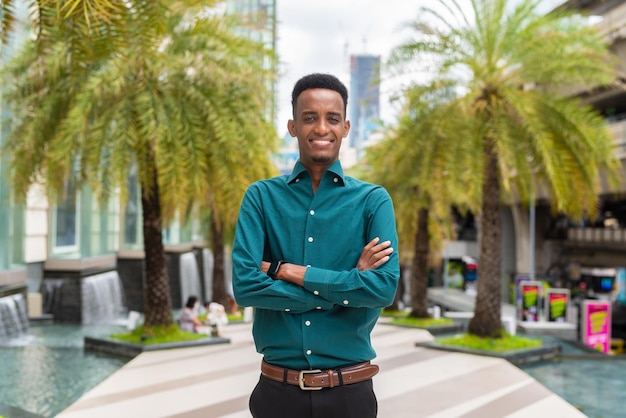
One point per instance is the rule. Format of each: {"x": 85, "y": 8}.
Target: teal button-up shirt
{"x": 326, "y": 323}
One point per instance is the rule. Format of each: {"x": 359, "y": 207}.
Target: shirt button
{"x": 312, "y": 212}
{"x": 307, "y": 323}
{"x": 310, "y": 239}
{"x": 308, "y": 352}
{"x": 345, "y": 302}
{"x": 315, "y": 292}
{"x": 335, "y": 179}
{"x": 319, "y": 308}
{"x": 287, "y": 310}
{"x": 297, "y": 180}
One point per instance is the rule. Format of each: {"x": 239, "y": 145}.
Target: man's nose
{"x": 322, "y": 126}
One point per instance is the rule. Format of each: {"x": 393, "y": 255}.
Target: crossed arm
{"x": 374, "y": 254}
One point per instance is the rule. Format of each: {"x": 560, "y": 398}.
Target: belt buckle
{"x": 301, "y": 379}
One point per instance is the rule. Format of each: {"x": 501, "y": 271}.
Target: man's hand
{"x": 374, "y": 254}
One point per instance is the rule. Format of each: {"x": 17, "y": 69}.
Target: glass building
{"x": 12, "y": 222}
{"x": 365, "y": 98}
{"x": 257, "y": 20}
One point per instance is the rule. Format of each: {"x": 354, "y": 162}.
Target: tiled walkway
{"x": 215, "y": 381}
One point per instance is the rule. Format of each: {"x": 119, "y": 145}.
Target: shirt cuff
{"x": 317, "y": 281}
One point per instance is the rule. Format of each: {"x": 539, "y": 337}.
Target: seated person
{"x": 216, "y": 317}
{"x": 188, "y": 320}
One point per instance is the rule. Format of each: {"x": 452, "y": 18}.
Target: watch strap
{"x": 274, "y": 267}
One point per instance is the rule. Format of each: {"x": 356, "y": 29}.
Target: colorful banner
{"x": 596, "y": 325}
{"x": 518, "y": 294}
{"x": 557, "y": 305}
{"x": 531, "y": 300}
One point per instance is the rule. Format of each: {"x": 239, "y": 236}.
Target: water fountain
{"x": 207, "y": 268}
{"x": 13, "y": 316}
{"x": 186, "y": 270}
{"x": 207, "y": 264}
{"x": 102, "y": 296}
{"x": 95, "y": 299}
{"x": 189, "y": 277}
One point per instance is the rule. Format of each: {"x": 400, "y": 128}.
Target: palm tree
{"x": 182, "y": 100}
{"x": 419, "y": 164}
{"x": 222, "y": 220}
{"x": 511, "y": 64}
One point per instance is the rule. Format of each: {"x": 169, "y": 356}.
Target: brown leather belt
{"x": 318, "y": 379}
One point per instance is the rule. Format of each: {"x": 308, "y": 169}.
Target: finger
{"x": 381, "y": 261}
{"x": 383, "y": 253}
{"x": 371, "y": 244}
{"x": 381, "y": 246}
{"x": 372, "y": 252}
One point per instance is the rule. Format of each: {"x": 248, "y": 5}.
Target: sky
{"x": 320, "y": 36}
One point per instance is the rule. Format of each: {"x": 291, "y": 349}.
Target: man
{"x": 313, "y": 253}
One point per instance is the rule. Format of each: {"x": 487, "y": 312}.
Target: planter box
{"x": 121, "y": 348}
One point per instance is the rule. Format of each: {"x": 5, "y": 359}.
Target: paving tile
{"x": 216, "y": 381}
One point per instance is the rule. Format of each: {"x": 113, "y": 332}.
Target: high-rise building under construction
{"x": 364, "y": 101}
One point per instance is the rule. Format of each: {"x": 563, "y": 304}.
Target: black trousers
{"x": 271, "y": 399}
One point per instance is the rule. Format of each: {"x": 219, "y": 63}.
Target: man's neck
{"x": 316, "y": 171}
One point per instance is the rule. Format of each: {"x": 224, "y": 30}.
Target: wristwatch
{"x": 274, "y": 267}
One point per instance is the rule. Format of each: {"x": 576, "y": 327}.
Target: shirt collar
{"x": 299, "y": 169}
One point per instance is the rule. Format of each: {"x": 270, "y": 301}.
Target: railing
{"x": 605, "y": 235}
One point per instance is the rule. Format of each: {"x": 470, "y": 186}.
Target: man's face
{"x": 319, "y": 124}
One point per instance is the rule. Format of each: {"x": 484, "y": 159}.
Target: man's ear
{"x": 291, "y": 127}
{"x": 346, "y": 129}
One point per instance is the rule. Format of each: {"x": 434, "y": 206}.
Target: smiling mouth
{"x": 321, "y": 141}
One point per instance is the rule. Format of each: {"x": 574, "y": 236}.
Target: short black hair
{"x": 191, "y": 301}
{"x": 319, "y": 81}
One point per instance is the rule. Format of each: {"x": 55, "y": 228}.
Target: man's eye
{"x": 309, "y": 118}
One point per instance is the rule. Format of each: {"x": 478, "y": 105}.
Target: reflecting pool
{"x": 594, "y": 382}
{"x": 596, "y": 386}
{"x": 47, "y": 370}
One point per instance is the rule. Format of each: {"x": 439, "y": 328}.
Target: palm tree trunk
{"x": 395, "y": 305}
{"x": 157, "y": 298}
{"x": 486, "y": 321}
{"x": 419, "y": 270}
{"x": 219, "y": 278}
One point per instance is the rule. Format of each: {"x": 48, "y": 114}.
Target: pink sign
{"x": 596, "y": 320}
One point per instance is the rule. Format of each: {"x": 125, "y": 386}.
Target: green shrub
{"x": 505, "y": 343}
{"x": 157, "y": 335}
{"x": 421, "y": 322}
